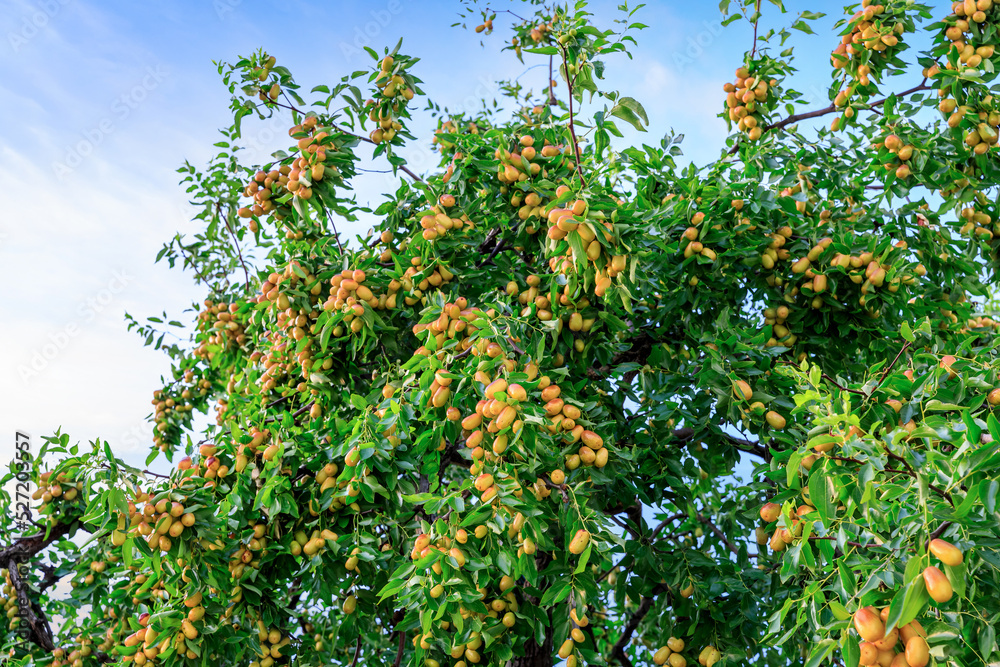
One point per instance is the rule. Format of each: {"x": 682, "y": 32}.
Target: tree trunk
{"x": 535, "y": 655}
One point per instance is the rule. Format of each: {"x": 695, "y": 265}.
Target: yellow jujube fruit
{"x": 187, "y": 627}
{"x": 869, "y": 654}
{"x": 770, "y": 512}
{"x": 742, "y": 390}
{"x": 917, "y": 652}
{"x": 938, "y": 585}
{"x": 868, "y": 624}
{"x": 774, "y": 420}
{"x": 579, "y": 542}
{"x": 946, "y": 552}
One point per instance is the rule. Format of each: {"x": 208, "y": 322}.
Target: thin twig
{"x": 888, "y": 369}
{"x": 853, "y": 544}
{"x": 604, "y": 575}
{"x": 239, "y": 253}
{"x": 718, "y": 533}
{"x": 624, "y": 526}
{"x": 572, "y": 128}
{"x": 336, "y": 234}
{"x": 278, "y": 402}
{"x": 842, "y": 387}
{"x": 663, "y": 524}
{"x": 514, "y": 345}
{"x": 357, "y": 652}
{"x": 399, "y": 651}
{"x": 304, "y": 408}
{"x": 505, "y": 11}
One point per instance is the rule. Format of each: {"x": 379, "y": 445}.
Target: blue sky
{"x": 103, "y": 101}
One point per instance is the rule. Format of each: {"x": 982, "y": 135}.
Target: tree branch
{"x": 572, "y": 128}
{"x": 795, "y": 118}
{"x": 236, "y": 244}
{"x": 51, "y": 577}
{"x": 718, "y": 533}
{"x": 747, "y": 446}
{"x": 399, "y": 652}
{"x": 29, "y": 611}
{"x": 360, "y": 137}
{"x": 357, "y": 652}
{"x": 26, "y": 547}
{"x": 940, "y": 531}
{"x": 618, "y": 650}
{"x": 888, "y": 369}
{"x": 663, "y": 524}
{"x": 552, "y": 95}
{"x": 843, "y": 388}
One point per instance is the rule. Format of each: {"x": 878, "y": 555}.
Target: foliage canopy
{"x": 502, "y": 427}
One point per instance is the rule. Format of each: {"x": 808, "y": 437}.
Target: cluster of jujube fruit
{"x": 746, "y": 98}
{"x": 388, "y": 106}
{"x": 871, "y": 43}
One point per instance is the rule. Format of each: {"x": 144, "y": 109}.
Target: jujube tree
{"x": 502, "y": 427}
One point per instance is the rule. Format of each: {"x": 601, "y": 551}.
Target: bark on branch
{"x": 645, "y": 605}
{"x": 22, "y": 551}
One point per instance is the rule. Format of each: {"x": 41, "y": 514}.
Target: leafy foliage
{"x": 501, "y": 428}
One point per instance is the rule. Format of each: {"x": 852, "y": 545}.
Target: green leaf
{"x": 821, "y": 491}
{"x": 851, "y": 649}
{"x": 584, "y": 557}
{"x": 987, "y": 639}
{"x": 631, "y": 112}
{"x": 906, "y": 332}
{"x": 970, "y": 501}
{"x": 988, "y": 492}
{"x": 557, "y": 592}
{"x": 907, "y": 604}
{"x": 821, "y": 652}
{"x": 994, "y": 427}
